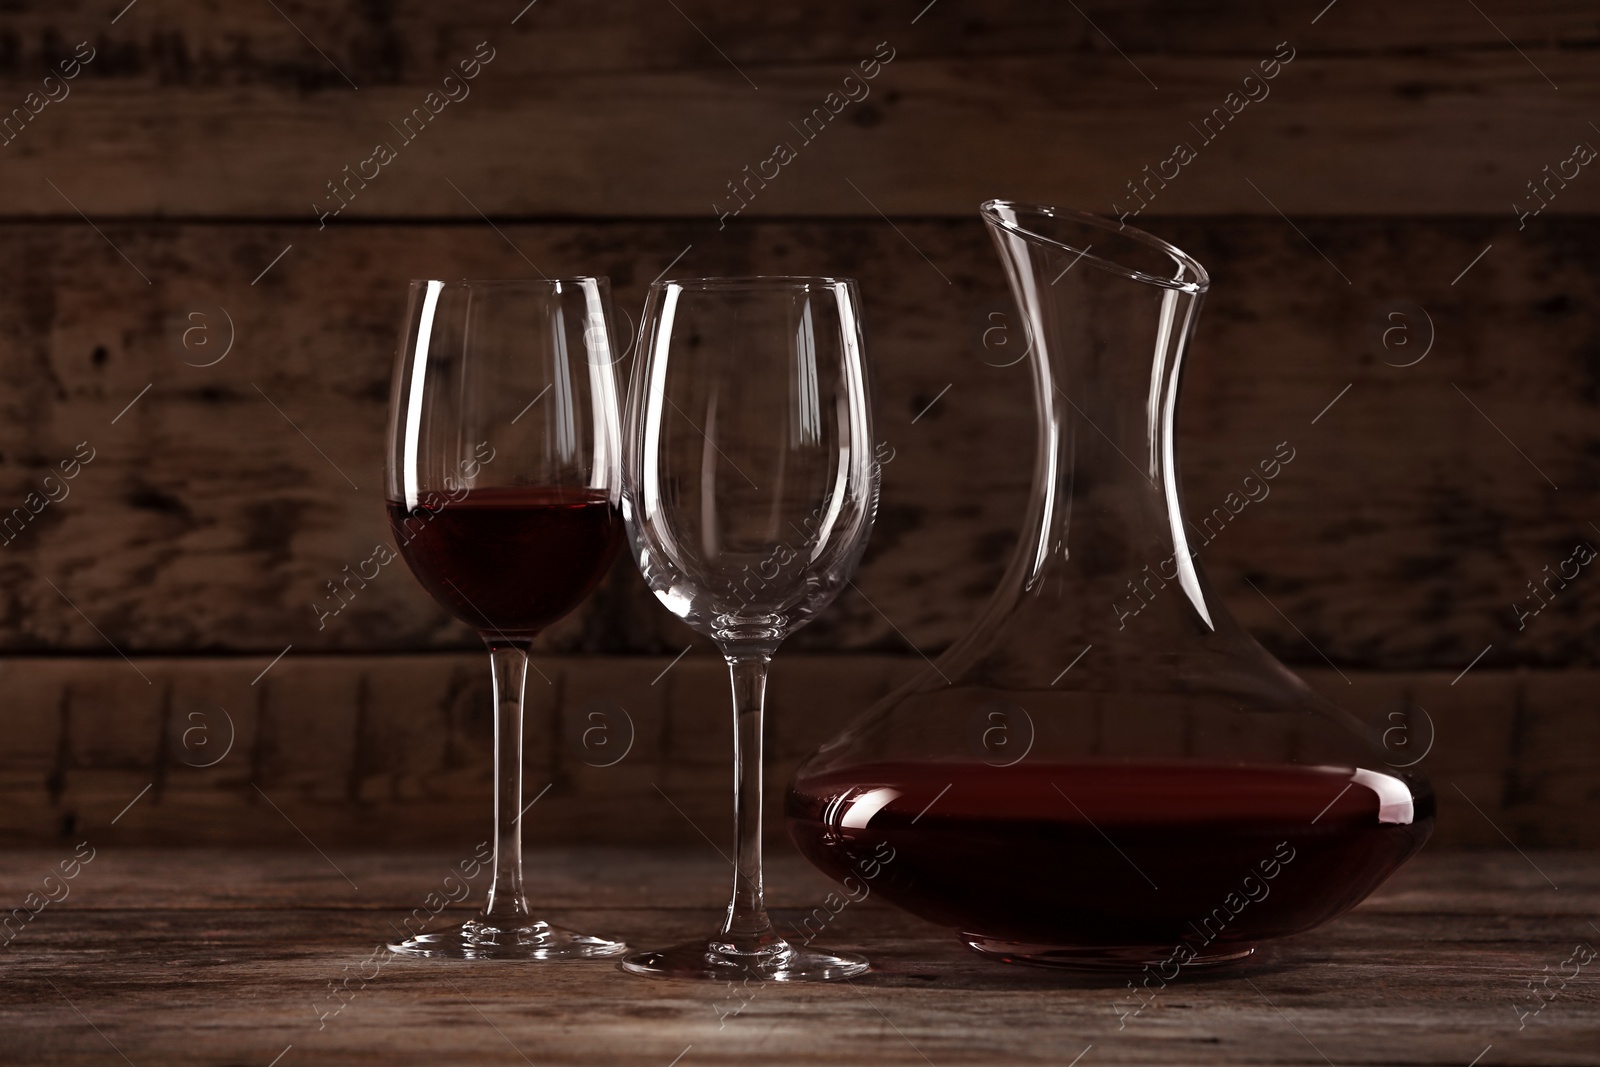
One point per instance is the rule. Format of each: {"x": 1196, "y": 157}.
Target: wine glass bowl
{"x": 504, "y": 485}
{"x": 749, "y": 492}
{"x": 755, "y": 490}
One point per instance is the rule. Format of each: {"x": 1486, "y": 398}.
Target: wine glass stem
{"x": 508, "y": 658}
{"x": 747, "y": 924}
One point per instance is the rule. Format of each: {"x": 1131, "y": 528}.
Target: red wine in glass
{"x": 503, "y": 485}
{"x": 1113, "y": 862}
{"x": 509, "y": 560}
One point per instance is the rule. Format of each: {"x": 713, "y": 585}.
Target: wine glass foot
{"x": 719, "y": 961}
{"x": 534, "y": 940}
{"x": 1101, "y": 957}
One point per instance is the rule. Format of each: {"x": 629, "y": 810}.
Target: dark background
{"x": 163, "y": 213}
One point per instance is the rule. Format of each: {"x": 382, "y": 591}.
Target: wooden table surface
{"x": 226, "y": 957}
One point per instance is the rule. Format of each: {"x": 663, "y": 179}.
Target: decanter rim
{"x": 1193, "y": 279}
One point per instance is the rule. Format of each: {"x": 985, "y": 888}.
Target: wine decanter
{"x": 1106, "y": 770}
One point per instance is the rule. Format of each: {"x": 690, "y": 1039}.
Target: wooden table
{"x": 218, "y": 957}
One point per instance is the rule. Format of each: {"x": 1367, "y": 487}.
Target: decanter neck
{"x": 1108, "y": 316}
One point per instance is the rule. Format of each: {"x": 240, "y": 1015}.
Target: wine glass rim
{"x": 541, "y": 282}
{"x": 756, "y": 281}
{"x": 1199, "y": 281}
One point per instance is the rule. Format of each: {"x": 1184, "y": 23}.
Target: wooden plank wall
{"x": 170, "y": 205}
{"x": 360, "y": 750}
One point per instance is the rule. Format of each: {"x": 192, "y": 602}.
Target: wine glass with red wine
{"x": 503, "y": 485}
{"x": 750, "y": 488}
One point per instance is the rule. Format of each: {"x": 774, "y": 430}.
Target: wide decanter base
{"x": 1099, "y": 958}
{"x": 719, "y": 961}
{"x": 535, "y": 940}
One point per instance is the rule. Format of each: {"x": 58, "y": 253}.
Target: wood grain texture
{"x": 223, "y": 500}
{"x": 398, "y": 42}
{"x": 354, "y": 750}
{"x": 1396, "y": 550}
{"x": 219, "y": 957}
{"x": 651, "y": 111}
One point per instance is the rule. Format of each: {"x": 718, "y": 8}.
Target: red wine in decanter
{"x": 1113, "y": 863}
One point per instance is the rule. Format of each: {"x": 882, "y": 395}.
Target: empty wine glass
{"x": 503, "y": 486}
{"x": 749, "y": 490}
